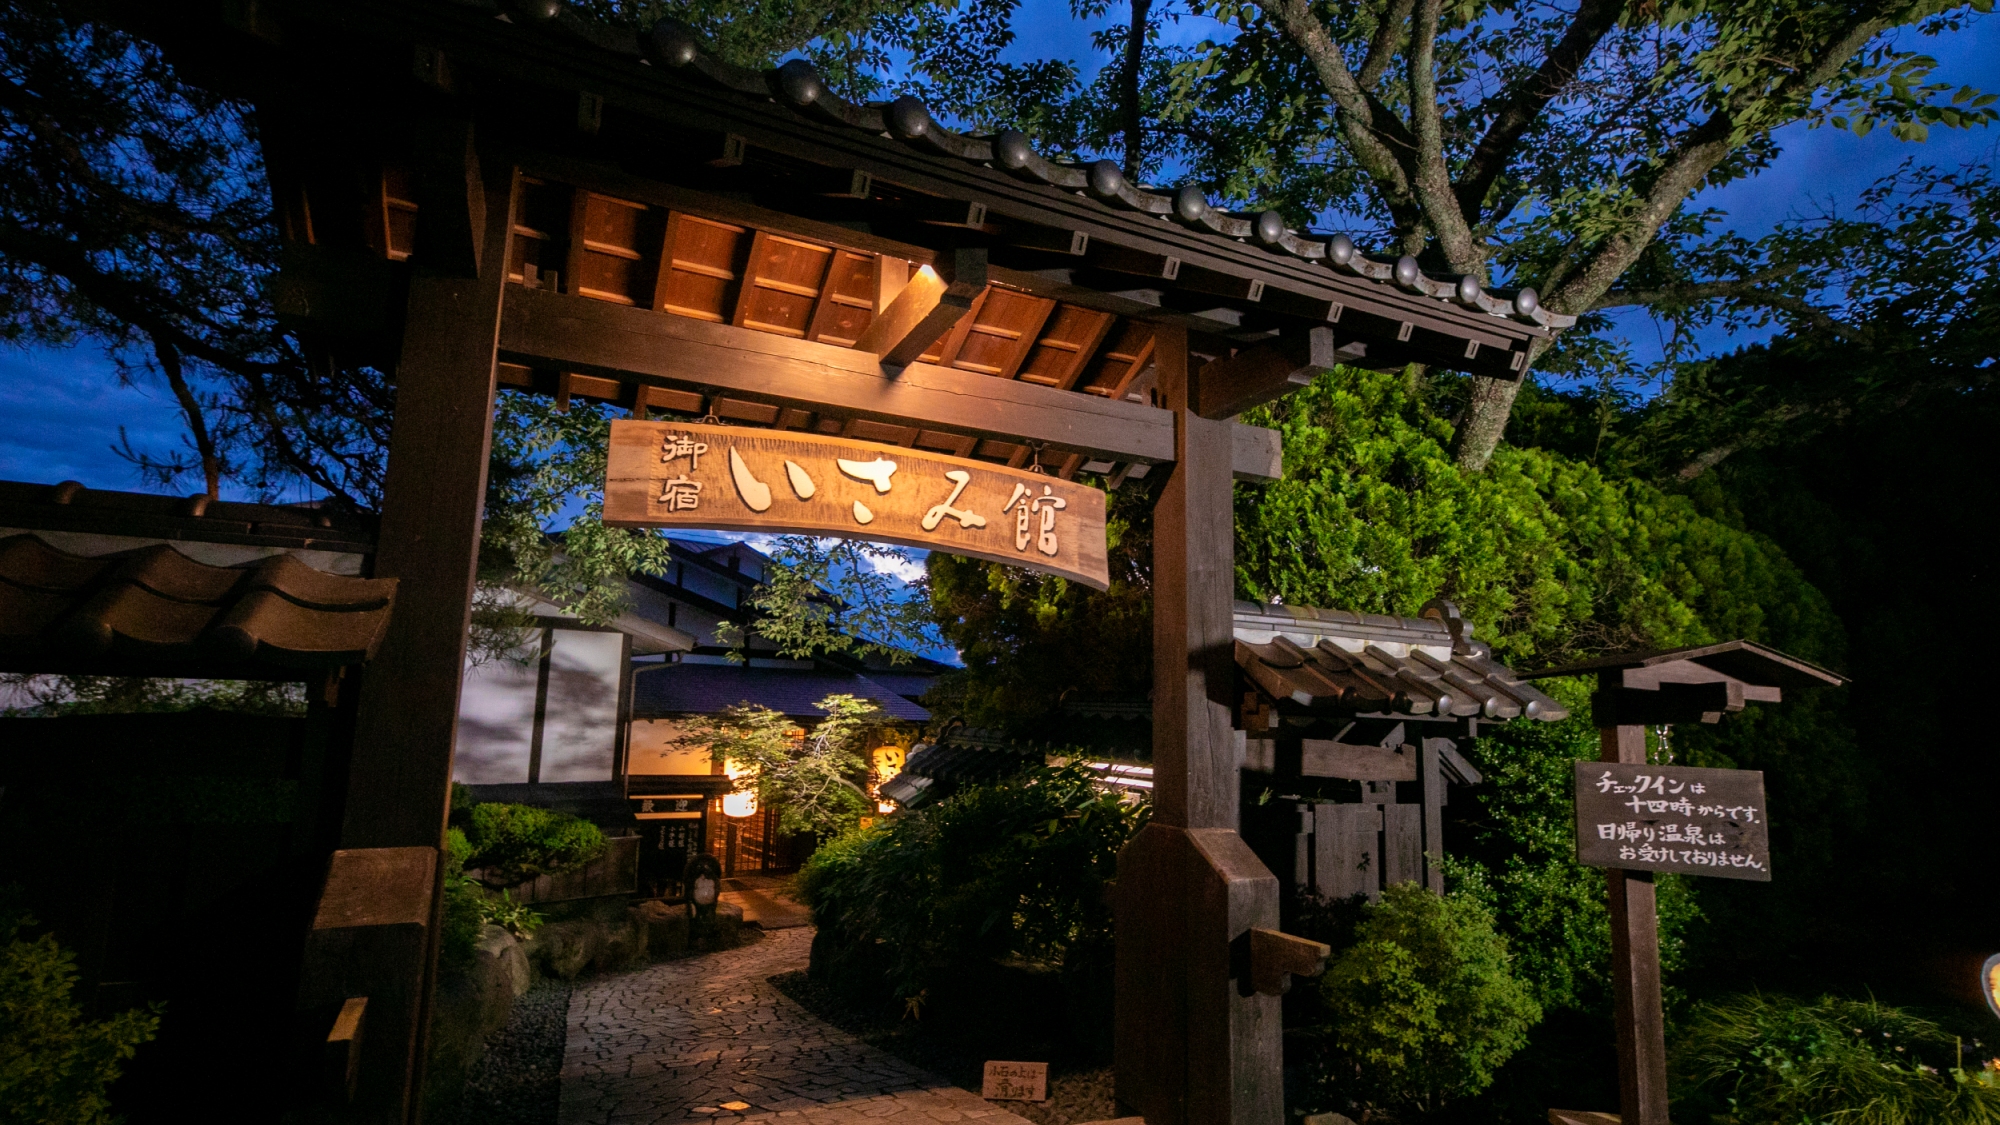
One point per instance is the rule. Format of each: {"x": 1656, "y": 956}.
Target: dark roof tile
{"x": 154, "y": 611}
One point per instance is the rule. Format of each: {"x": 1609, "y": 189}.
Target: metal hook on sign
{"x": 1035, "y": 460}
{"x": 708, "y": 417}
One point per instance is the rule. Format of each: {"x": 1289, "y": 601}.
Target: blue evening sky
{"x": 61, "y": 410}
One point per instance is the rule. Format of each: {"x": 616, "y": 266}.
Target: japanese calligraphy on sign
{"x": 1672, "y": 818}
{"x": 735, "y": 478}
{"x": 1015, "y": 1082}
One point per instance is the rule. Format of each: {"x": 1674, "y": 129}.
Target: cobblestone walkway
{"x": 677, "y": 1041}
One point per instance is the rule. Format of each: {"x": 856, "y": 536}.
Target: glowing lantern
{"x": 743, "y": 803}
{"x": 1989, "y": 982}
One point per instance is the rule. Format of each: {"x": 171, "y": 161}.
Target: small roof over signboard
{"x": 1698, "y": 684}
{"x": 1744, "y": 661}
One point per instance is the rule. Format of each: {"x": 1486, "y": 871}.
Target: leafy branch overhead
{"x": 808, "y": 776}
{"x": 1545, "y": 146}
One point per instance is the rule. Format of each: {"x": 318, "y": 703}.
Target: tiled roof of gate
{"x": 671, "y": 44}
{"x": 154, "y": 611}
{"x": 1324, "y": 660}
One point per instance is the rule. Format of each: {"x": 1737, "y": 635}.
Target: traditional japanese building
{"x": 585, "y": 719}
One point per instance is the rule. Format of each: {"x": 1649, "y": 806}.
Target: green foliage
{"x": 544, "y": 460}
{"x": 469, "y": 907}
{"x": 1770, "y": 1060}
{"x": 1516, "y": 854}
{"x": 516, "y": 918}
{"x": 807, "y": 777}
{"x": 1549, "y": 557}
{"x": 515, "y": 843}
{"x": 48, "y": 695}
{"x": 1027, "y": 639}
{"x": 1424, "y": 1007}
{"x": 56, "y": 1067}
{"x": 837, "y": 596}
{"x": 1013, "y": 869}
{"x": 463, "y": 906}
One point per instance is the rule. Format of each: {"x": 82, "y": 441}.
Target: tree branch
{"x": 118, "y": 297}
{"x": 1128, "y": 89}
{"x": 1431, "y": 181}
{"x": 1698, "y": 154}
{"x": 1594, "y": 19}
{"x": 1749, "y": 290}
{"x": 204, "y": 442}
{"x": 1382, "y": 48}
{"x": 1366, "y": 123}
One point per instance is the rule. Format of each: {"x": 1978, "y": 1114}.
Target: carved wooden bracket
{"x": 343, "y": 1049}
{"x": 1275, "y": 958}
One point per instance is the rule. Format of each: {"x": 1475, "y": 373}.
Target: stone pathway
{"x": 677, "y": 1041}
{"x": 763, "y": 900}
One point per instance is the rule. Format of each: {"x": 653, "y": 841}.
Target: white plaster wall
{"x": 580, "y": 727}
{"x": 496, "y": 718}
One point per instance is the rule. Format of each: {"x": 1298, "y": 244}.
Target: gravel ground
{"x": 1078, "y": 1092}
{"x": 519, "y": 1082}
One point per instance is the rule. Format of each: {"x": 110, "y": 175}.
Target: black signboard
{"x": 1672, "y": 818}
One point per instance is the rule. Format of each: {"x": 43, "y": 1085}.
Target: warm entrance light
{"x": 743, "y": 803}
{"x": 1989, "y": 982}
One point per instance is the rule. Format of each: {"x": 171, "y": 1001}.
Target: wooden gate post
{"x": 1635, "y": 967}
{"x": 399, "y": 784}
{"x": 1196, "y": 1045}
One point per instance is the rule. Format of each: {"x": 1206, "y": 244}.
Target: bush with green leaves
{"x": 56, "y": 1067}
{"x": 1014, "y": 869}
{"x": 462, "y": 906}
{"x": 1423, "y": 1008}
{"x": 1773, "y": 1060}
{"x": 808, "y": 777}
{"x": 515, "y": 843}
{"x": 469, "y": 908}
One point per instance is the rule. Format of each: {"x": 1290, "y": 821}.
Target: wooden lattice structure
{"x": 485, "y": 196}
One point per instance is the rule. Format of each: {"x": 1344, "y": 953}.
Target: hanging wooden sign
{"x": 734, "y": 478}
{"x": 1672, "y": 818}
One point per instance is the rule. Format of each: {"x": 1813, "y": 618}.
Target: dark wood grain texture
{"x": 1264, "y": 373}
{"x": 1635, "y": 969}
{"x": 1194, "y": 581}
{"x": 549, "y": 329}
{"x": 400, "y": 779}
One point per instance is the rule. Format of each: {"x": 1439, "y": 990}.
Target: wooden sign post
{"x": 1633, "y": 819}
{"x": 732, "y": 478}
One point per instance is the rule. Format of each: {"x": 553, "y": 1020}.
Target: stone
{"x": 666, "y": 929}
{"x": 472, "y": 1005}
{"x": 563, "y": 949}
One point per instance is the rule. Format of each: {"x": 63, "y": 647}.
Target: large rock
{"x": 601, "y": 945}
{"x": 666, "y": 929}
{"x": 472, "y": 1005}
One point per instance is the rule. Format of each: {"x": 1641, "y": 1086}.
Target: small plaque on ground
{"x": 1672, "y": 818}
{"x": 1016, "y": 1082}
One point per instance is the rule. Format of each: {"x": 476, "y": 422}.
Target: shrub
{"x": 462, "y": 907}
{"x": 1423, "y": 1007}
{"x": 515, "y": 843}
{"x": 1015, "y": 869}
{"x": 1771, "y": 1060}
{"x": 55, "y": 1066}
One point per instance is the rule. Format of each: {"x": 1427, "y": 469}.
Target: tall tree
{"x": 1555, "y": 145}
{"x": 134, "y": 215}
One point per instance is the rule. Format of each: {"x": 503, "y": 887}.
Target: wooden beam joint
{"x": 1275, "y": 958}
{"x": 934, "y": 300}
{"x": 1228, "y": 387}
